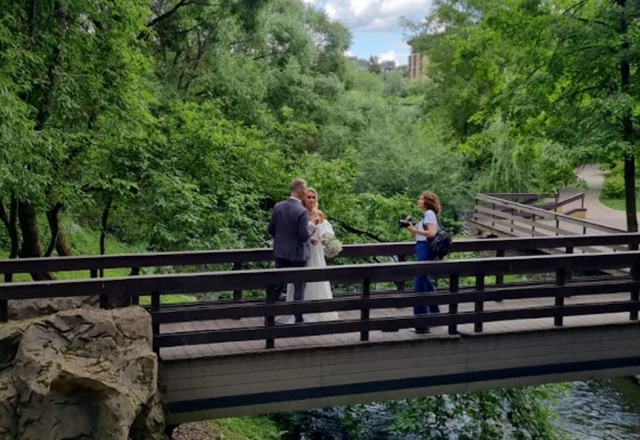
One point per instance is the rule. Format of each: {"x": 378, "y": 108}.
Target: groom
{"x": 291, "y": 232}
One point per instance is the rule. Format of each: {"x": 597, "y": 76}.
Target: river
{"x": 603, "y": 409}
{"x": 606, "y": 409}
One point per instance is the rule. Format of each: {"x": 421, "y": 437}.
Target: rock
{"x": 81, "y": 374}
{"x": 34, "y": 308}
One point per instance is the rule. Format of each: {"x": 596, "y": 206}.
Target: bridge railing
{"x": 241, "y": 258}
{"x": 96, "y": 264}
{"x": 366, "y": 275}
{"x": 513, "y": 218}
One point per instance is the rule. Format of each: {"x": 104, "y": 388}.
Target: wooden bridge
{"x": 531, "y": 215}
{"x": 506, "y": 320}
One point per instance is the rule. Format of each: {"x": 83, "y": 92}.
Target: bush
{"x": 613, "y": 187}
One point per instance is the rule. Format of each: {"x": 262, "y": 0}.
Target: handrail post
{"x": 270, "y": 321}
{"x": 155, "y": 319}
{"x": 635, "y": 293}
{"x": 4, "y": 304}
{"x": 560, "y": 282}
{"x": 493, "y": 215}
{"x": 499, "y": 277}
{"x": 479, "y": 305}
{"x": 237, "y": 294}
{"x": 513, "y": 216}
{"x": 569, "y": 274}
{"x": 364, "y": 312}
{"x": 104, "y": 299}
{"x": 533, "y": 225}
{"x": 454, "y": 280}
{"x": 135, "y": 299}
{"x": 401, "y": 285}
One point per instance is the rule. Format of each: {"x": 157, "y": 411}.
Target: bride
{"x": 319, "y": 290}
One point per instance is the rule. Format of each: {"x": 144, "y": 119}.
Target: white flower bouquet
{"x": 332, "y": 247}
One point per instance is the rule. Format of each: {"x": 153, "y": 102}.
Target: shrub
{"x": 613, "y": 187}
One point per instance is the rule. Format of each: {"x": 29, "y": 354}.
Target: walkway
{"x": 597, "y": 212}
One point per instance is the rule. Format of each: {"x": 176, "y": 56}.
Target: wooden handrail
{"x": 27, "y": 265}
{"x": 158, "y": 285}
{"x": 566, "y": 201}
{"x": 542, "y": 213}
{"x": 259, "y": 279}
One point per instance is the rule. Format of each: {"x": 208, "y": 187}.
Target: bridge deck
{"x": 233, "y": 348}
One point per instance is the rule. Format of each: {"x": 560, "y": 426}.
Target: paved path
{"x": 596, "y": 211}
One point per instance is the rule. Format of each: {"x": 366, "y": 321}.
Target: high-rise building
{"x": 417, "y": 62}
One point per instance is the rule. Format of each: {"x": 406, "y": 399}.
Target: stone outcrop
{"x": 33, "y": 308}
{"x": 82, "y": 374}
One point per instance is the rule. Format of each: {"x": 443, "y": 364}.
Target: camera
{"x": 406, "y": 223}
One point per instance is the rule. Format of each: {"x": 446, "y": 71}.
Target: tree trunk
{"x": 10, "y": 221}
{"x": 59, "y": 241}
{"x": 31, "y": 244}
{"x": 628, "y": 132}
{"x": 63, "y": 248}
{"x": 53, "y": 218}
{"x": 630, "y": 193}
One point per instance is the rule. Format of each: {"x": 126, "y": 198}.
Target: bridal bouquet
{"x": 332, "y": 247}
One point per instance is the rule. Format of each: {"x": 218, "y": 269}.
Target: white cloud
{"x": 388, "y": 56}
{"x": 373, "y": 15}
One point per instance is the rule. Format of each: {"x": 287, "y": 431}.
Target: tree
{"x": 374, "y": 65}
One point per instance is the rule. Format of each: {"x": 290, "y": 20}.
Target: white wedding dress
{"x": 314, "y": 291}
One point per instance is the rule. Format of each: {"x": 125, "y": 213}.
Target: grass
{"x": 245, "y": 428}
{"x": 614, "y": 173}
{"x": 618, "y": 204}
{"x": 86, "y": 241}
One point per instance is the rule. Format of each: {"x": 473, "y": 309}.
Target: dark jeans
{"x": 424, "y": 283}
{"x": 298, "y": 288}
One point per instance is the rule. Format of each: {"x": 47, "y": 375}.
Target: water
{"x": 603, "y": 409}
{"x": 607, "y": 409}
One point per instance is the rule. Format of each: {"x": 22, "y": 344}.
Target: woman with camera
{"x": 425, "y": 230}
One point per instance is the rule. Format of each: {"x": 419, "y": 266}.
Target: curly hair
{"x": 431, "y": 201}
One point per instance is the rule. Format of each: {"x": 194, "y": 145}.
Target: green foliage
{"x": 503, "y": 414}
{"x": 555, "y": 72}
{"x": 245, "y": 428}
{"x": 613, "y": 187}
{"x": 613, "y": 190}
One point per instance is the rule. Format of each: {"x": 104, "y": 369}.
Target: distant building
{"x": 364, "y": 64}
{"x": 417, "y": 63}
{"x": 387, "y": 66}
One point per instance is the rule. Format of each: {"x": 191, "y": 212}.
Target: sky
{"x": 374, "y": 24}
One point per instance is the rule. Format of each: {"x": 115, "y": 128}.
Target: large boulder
{"x": 33, "y": 308}
{"x": 82, "y": 374}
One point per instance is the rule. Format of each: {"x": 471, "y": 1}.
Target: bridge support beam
{"x": 289, "y": 380}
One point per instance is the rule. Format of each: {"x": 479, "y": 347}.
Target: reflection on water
{"x": 607, "y": 409}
